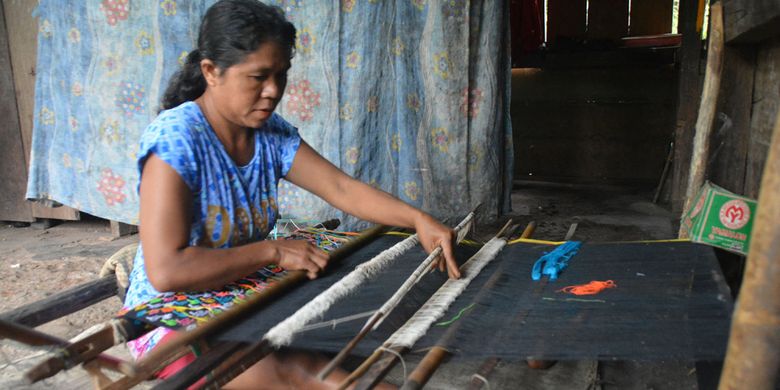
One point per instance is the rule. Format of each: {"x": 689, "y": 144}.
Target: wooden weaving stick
{"x": 157, "y": 358}
{"x": 376, "y": 367}
{"x": 461, "y": 230}
{"x": 436, "y": 355}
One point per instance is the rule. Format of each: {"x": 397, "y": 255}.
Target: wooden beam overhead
{"x": 751, "y": 21}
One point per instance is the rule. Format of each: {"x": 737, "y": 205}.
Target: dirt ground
{"x": 37, "y": 262}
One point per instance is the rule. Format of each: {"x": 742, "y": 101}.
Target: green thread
{"x": 457, "y": 317}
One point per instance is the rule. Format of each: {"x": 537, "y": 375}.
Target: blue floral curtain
{"x": 411, "y": 96}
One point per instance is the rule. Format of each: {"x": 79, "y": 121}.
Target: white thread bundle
{"x": 282, "y": 334}
{"x": 434, "y": 308}
{"x": 461, "y": 230}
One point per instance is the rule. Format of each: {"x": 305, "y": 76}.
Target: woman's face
{"x": 247, "y": 93}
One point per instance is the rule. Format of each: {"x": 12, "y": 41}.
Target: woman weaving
{"x": 210, "y": 164}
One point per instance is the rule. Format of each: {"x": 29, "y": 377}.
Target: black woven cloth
{"x": 670, "y": 301}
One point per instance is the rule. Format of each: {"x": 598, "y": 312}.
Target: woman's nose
{"x": 272, "y": 89}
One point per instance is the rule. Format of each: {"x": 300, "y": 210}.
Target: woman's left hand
{"x": 433, "y": 234}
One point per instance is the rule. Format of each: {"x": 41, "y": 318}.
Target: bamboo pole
{"x": 753, "y": 355}
{"x": 708, "y": 105}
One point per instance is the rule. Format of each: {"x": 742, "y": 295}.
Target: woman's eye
{"x": 260, "y": 77}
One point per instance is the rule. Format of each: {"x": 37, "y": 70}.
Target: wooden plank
{"x": 23, "y": 42}
{"x": 607, "y": 19}
{"x": 13, "y": 167}
{"x": 766, "y": 98}
{"x": 565, "y": 20}
{"x": 64, "y": 303}
{"x": 119, "y": 229}
{"x": 751, "y": 21}
{"x": 753, "y": 354}
{"x": 651, "y": 17}
{"x": 730, "y": 141}
{"x": 689, "y": 89}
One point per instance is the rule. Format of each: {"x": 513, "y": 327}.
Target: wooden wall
{"x": 603, "y": 124}
{"x": 749, "y": 103}
{"x": 606, "y": 20}
{"x": 587, "y": 110}
{"x": 20, "y": 40}
{"x": 749, "y": 98}
{"x": 13, "y": 165}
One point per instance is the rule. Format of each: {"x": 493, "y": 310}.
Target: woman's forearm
{"x": 199, "y": 268}
{"x": 370, "y": 204}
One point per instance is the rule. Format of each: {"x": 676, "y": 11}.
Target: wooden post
{"x": 708, "y": 105}
{"x": 687, "y": 101}
{"x": 22, "y": 25}
{"x": 13, "y": 176}
{"x": 753, "y": 355}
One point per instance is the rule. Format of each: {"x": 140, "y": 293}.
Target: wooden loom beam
{"x": 161, "y": 355}
{"x": 82, "y": 351}
{"x": 35, "y": 338}
{"x": 62, "y": 304}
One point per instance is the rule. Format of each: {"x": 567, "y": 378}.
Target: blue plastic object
{"x": 551, "y": 264}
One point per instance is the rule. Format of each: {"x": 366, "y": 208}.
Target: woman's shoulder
{"x": 185, "y": 119}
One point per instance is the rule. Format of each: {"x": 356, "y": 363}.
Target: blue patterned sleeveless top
{"x": 232, "y": 204}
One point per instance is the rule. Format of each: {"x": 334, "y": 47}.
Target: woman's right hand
{"x": 300, "y": 255}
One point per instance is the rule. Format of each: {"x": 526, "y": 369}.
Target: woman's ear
{"x": 210, "y": 71}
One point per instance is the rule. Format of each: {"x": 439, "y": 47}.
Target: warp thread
{"x": 592, "y": 288}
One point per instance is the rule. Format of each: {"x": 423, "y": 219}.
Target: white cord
{"x": 332, "y": 323}
{"x": 483, "y": 379}
{"x": 398, "y": 355}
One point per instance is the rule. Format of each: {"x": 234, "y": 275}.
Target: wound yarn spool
{"x": 592, "y": 288}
